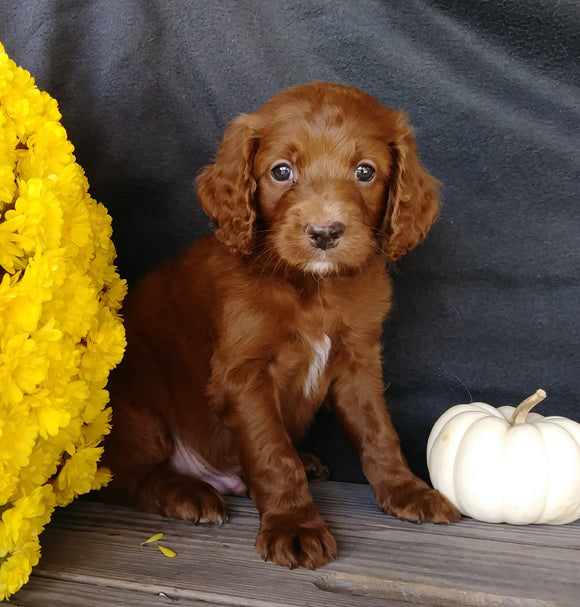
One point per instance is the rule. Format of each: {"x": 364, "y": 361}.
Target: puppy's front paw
{"x": 415, "y": 501}
{"x": 296, "y": 539}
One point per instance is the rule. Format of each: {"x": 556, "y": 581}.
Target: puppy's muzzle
{"x": 325, "y": 236}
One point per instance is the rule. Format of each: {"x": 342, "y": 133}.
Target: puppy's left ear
{"x": 413, "y": 197}
{"x": 226, "y": 189}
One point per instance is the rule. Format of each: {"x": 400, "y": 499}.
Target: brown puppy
{"x": 234, "y": 346}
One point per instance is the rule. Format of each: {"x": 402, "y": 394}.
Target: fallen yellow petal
{"x": 167, "y": 551}
{"x": 153, "y": 538}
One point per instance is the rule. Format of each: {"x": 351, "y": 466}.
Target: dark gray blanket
{"x": 487, "y": 308}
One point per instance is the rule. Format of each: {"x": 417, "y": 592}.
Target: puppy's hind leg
{"x": 138, "y": 452}
{"x": 316, "y": 471}
{"x": 176, "y": 495}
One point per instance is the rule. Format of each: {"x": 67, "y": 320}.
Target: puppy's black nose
{"x": 325, "y": 236}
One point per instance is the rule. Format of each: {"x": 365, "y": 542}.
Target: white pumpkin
{"x": 507, "y": 464}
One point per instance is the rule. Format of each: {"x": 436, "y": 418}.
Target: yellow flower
{"x": 11, "y": 244}
{"x": 114, "y": 292}
{"x": 15, "y": 567}
{"x": 17, "y": 435}
{"x": 18, "y": 307}
{"x": 77, "y": 474}
{"x": 25, "y": 518}
{"x": 105, "y": 346}
{"x": 45, "y": 273}
{"x": 75, "y": 304}
{"x": 51, "y": 415}
{"x": 43, "y": 464}
{"x": 22, "y": 366}
{"x": 77, "y": 226}
{"x": 39, "y": 214}
{"x": 7, "y": 185}
{"x": 60, "y": 331}
{"x": 48, "y": 151}
{"x": 96, "y": 416}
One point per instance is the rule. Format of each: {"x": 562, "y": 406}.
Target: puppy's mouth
{"x": 320, "y": 267}
{"x": 330, "y": 261}
{"x": 322, "y": 246}
{"x": 323, "y": 238}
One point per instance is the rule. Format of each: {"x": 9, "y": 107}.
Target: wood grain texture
{"x": 92, "y": 555}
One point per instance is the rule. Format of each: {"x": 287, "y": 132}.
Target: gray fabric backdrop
{"x": 487, "y": 308}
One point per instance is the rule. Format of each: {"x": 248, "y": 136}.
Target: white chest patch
{"x": 317, "y": 365}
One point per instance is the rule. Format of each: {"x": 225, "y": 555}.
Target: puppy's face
{"x": 322, "y": 175}
{"x": 321, "y": 178}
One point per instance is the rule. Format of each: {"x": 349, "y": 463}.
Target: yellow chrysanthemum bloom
{"x": 60, "y": 330}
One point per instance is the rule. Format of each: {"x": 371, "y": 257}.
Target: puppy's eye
{"x": 364, "y": 172}
{"x": 282, "y": 172}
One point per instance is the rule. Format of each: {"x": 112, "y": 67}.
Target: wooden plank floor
{"x": 92, "y": 557}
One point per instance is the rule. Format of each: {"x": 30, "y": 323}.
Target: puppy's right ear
{"x": 226, "y": 189}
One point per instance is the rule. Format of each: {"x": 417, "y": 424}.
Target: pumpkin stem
{"x": 522, "y": 410}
